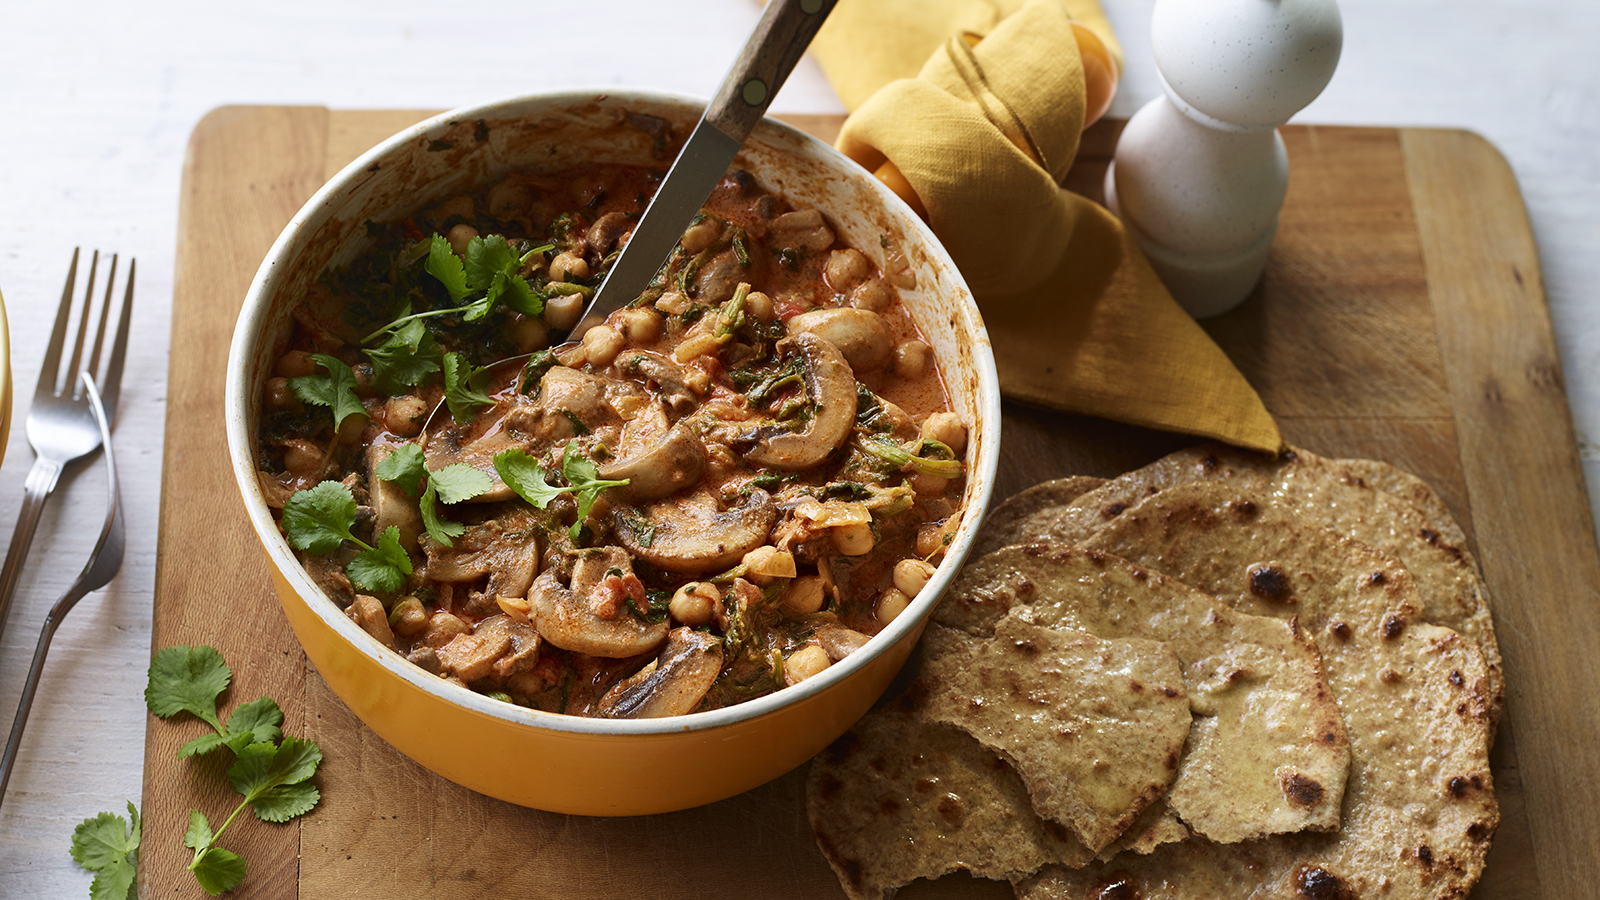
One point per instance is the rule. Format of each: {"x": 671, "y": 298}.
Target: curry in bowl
{"x": 728, "y": 487}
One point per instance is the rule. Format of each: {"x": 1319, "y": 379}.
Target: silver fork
{"x": 61, "y": 424}
{"x": 97, "y": 573}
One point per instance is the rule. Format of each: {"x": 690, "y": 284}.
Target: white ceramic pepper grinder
{"x": 1200, "y": 174}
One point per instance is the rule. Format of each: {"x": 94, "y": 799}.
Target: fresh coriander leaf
{"x": 444, "y": 265}
{"x": 261, "y": 767}
{"x": 318, "y": 519}
{"x": 381, "y": 569}
{"x": 459, "y": 481}
{"x": 407, "y": 357}
{"x": 284, "y": 802}
{"x": 258, "y": 722}
{"x": 202, "y": 745}
{"x": 335, "y": 390}
{"x": 488, "y": 258}
{"x": 185, "y": 679}
{"x": 526, "y": 477}
{"x": 199, "y": 835}
{"x": 218, "y": 870}
{"x": 405, "y": 466}
{"x": 108, "y": 847}
{"x": 585, "y": 479}
{"x": 521, "y": 297}
{"x": 464, "y": 388}
{"x": 478, "y": 308}
{"x": 439, "y": 528}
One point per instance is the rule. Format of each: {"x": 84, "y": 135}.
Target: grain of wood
{"x": 1525, "y": 482}
{"x": 247, "y": 171}
{"x": 1347, "y": 293}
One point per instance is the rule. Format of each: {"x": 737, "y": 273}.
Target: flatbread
{"x": 1327, "y": 494}
{"x": 1419, "y": 807}
{"x": 1408, "y": 487}
{"x": 1025, "y": 515}
{"x": 897, "y": 798}
{"x": 1267, "y": 751}
{"x": 1155, "y": 826}
{"x": 1094, "y": 727}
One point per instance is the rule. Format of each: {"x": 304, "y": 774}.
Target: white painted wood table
{"x": 98, "y": 104}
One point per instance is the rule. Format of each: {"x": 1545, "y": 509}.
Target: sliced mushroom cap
{"x": 670, "y": 466}
{"x": 569, "y": 617}
{"x": 391, "y": 503}
{"x": 672, "y": 685}
{"x": 860, "y": 334}
{"x": 690, "y": 536}
{"x": 831, "y": 388}
{"x": 668, "y": 376}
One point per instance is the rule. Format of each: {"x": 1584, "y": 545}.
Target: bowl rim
{"x": 241, "y": 443}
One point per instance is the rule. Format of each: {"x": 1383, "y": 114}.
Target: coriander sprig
{"x": 531, "y": 482}
{"x": 319, "y": 520}
{"x": 454, "y": 483}
{"x": 108, "y": 847}
{"x": 489, "y": 266}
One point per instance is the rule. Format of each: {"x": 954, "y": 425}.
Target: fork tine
{"x": 93, "y": 365}
{"x": 70, "y": 386}
{"x": 50, "y": 370}
{"x": 111, "y": 385}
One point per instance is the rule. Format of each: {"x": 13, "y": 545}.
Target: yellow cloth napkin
{"x": 984, "y": 134}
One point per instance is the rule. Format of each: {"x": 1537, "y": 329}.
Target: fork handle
{"x": 36, "y": 490}
{"x": 25, "y": 704}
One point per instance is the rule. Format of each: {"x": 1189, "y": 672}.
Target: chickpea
{"x": 352, "y": 426}
{"x": 510, "y": 196}
{"x": 804, "y": 663}
{"x": 561, "y": 312}
{"x": 912, "y": 359}
{"x": 891, "y": 605}
{"x": 601, "y": 345}
{"x": 855, "y": 539}
{"x": 760, "y": 306}
{"x": 928, "y": 485}
{"x": 568, "y": 266}
{"x": 404, "y": 415}
{"x": 934, "y": 537}
{"x": 767, "y": 564}
{"x": 294, "y": 364}
{"x": 702, "y": 234}
{"x": 456, "y": 206}
{"x": 301, "y": 457}
{"x": 911, "y": 576}
{"x": 695, "y": 603}
{"x": 805, "y": 595}
{"x": 443, "y": 628}
{"x": 947, "y": 429}
{"x": 872, "y": 295}
{"x": 640, "y": 325}
{"x": 528, "y": 333}
{"x": 409, "y": 617}
{"x": 846, "y": 268}
{"x": 459, "y": 236}
{"x": 280, "y": 396}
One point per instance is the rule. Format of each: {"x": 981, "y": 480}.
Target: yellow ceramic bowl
{"x": 545, "y": 760}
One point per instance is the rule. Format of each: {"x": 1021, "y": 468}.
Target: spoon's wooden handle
{"x": 780, "y": 39}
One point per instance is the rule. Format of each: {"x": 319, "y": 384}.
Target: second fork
{"x": 60, "y": 425}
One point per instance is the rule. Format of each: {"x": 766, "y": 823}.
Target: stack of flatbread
{"x": 1219, "y": 676}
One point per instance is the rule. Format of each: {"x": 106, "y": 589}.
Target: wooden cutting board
{"x": 1402, "y": 318}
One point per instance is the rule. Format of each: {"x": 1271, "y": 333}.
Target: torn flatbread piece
{"x": 1155, "y": 826}
{"x": 1327, "y": 493}
{"x": 1025, "y": 515}
{"x": 1094, "y": 727}
{"x": 1419, "y": 808}
{"x": 896, "y": 799}
{"x": 1267, "y": 752}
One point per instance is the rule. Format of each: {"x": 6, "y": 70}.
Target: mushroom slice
{"x": 671, "y": 685}
{"x": 690, "y": 536}
{"x": 831, "y": 388}
{"x": 860, "y": 334}
{"x": 673, "y": 464}
{"x": 668, "y": 376}
{"x": 588, "y": 616}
